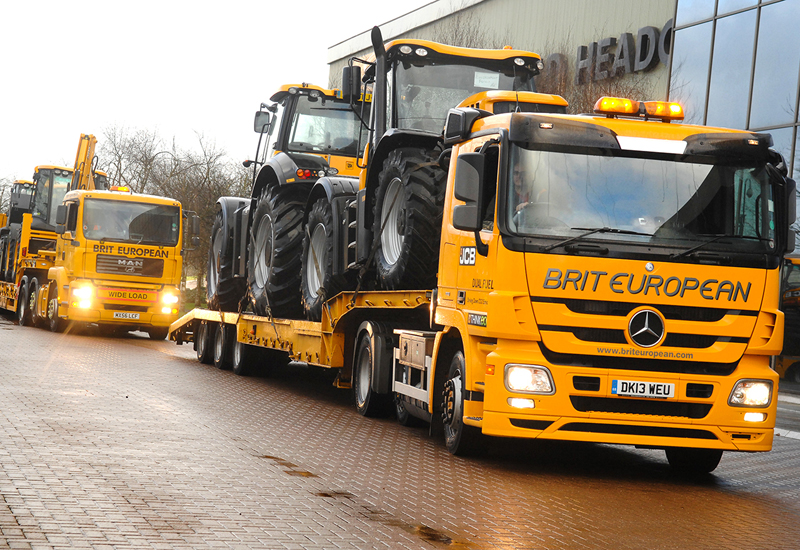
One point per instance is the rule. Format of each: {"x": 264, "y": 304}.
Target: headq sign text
{"x": 710, "y": 289}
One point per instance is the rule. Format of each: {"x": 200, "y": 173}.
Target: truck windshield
{"x": 323, "y": 125}
{"x": 131, "y": 222}
{"x": 643, "y": 200}
{"x": 49, "y": 193}
{"x": 424, "y": 94}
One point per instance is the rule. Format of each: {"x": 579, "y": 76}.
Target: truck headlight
{"x": 83, "y": 292}
{"x": 169, "y": 298}
{"x": 751, "y": 393}
{"x": 529, "y": 379}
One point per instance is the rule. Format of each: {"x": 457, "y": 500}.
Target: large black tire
{"x": 693, "y": 461}
{"x": 408, "y": 219}
{"x": 459, "y": 438}
{"x": 318, "y": 282}
{"x": 203, "y": 343}
{"x": 274, "y": 259}
{"x": 23, "y": 306}
{"x": 223, "y": 290}
{"x": 368, "y": 402}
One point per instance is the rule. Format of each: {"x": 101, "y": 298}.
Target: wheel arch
{"x": 446, "y": 344}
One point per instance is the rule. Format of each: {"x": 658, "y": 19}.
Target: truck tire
{"x": 202, "y": 342}
{"x": 693, "y": 461}
{"x": 158, "y": 333}
{"x": 222, "y": 346}
{"x": 54, "y": 322}
{"x": 460, "y": 439}
{"x": 244, "y": 358}
{"x": 408, "y": 219}
{"x": 23, "y": 306}
{"x": 274, "y": 259}
{"x": 223, "y": 290}
{"x": 368, "y": 402}
{"x": 318, "y": 282}
{"x": 33, "y": 302}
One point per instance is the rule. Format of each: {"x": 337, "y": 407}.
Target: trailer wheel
{"x": 158, "y": 333}
{"x": 368, "y": 402}
{"x": 460, "y": 439}
{"x": 274, "y": 259}
{"x": 222, "y": 346}
{"x": 408, "y": 219}
{"x": 223, "y": 290}
{"x": 23, "y": 306}
{"x": 693, "y": 461}
{"x": 245, "y": 358}
{"x": 318, "y": 281}
{"x": 202, "y": 343}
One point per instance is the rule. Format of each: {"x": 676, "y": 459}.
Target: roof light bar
{"x": 615, "y": 106}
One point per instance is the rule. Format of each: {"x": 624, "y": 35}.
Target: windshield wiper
{"x": 591, "y": 231}
{"x": 713, "y": 239}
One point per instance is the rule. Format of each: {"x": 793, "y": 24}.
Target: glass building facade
{"x": 736, "y": 64}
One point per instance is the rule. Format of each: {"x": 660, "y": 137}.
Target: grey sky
{"x": 180, "y": 68}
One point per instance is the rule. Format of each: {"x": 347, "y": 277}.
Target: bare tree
{"x": 143, "y": 161}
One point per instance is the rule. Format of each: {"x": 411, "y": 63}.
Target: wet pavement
{"x": 131, "y": 443}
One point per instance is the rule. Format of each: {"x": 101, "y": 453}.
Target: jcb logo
{"x": 467, "y": 256}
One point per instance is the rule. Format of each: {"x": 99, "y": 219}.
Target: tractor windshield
{"x": 325, "y": 126}
{"x": 131, "y": 222}
{"x": 424, "y": 93}
{"x": 51, "y": 187}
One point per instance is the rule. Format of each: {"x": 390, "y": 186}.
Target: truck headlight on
{"x": 168, "y": 300}
{"x": 529, "y": 379}
{"x": 82, "y": 296}
{"x": 751, "y": 393}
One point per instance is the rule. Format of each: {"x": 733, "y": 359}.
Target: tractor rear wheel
{"x": 223, "y": 290}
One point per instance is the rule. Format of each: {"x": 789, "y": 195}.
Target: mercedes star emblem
{"x": 646, "y": 328}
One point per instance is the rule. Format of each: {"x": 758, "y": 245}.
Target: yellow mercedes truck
{"x": 610, "y": 277}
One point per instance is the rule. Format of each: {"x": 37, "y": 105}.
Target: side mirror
{"x": 262, "y": 123}
{"x": 195, "y": 224}
{"x": 351, "y": 83}
{"x": 469, "y": 188}
{"x": 60, "y": 229}
{"x": 195, "y": 241}
{"x": 459, "y": 123}
{"x": 61, "y": 215}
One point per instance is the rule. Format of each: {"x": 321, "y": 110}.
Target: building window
{"x": 730, "y": 70}
{"x": 716, "y": 78}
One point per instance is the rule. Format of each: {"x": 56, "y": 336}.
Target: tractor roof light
{"x": 616, "y": 106}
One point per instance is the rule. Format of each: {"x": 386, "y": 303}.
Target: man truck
{"x": 85, "y": 254}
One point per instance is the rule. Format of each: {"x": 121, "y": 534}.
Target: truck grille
{"x": 122, "y": 265}
{"x": 639, "y": 406}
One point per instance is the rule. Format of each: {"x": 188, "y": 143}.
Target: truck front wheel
{"x": 274, "y": 258}
{"x": 460, "y": 439}
{"x": 408, "y": 219}
{"x": 55, "y": 323}
{"x": 693, "y": 461}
